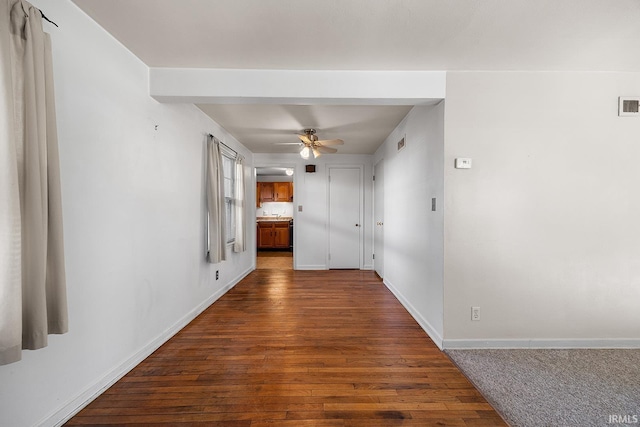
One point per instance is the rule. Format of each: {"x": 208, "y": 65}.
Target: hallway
{"x": 279, "y": 260}
{"x": 297, "y": 348}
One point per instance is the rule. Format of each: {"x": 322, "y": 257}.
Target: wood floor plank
{"x": 296, "y": 348}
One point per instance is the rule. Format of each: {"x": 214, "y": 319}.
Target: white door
{"x": 345, "y": 217}
{"x": 378, "y": 215}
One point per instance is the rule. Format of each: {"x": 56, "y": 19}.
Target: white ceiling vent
{"x": 629, "y": 106}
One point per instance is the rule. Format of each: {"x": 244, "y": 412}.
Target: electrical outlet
{"x": 217, "y": 274}
{"x": 475, "y": 313}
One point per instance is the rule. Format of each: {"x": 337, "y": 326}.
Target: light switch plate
{"x": 463, "y": 163}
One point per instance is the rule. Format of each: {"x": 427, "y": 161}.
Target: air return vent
{"x": 401, "y": 144}
{"x": 629, "y": 106}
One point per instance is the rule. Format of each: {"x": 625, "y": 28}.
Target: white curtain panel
{"x": 215, "y": 203}
{"x": 240, "y": 242}
{"x": 33, "y": 301}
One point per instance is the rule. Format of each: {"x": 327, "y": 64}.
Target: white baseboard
{"x": 424, "y": 324}
{"x": 568, "y": 343}
{"x": 74, "y": 406}
{"x": 311, "y": 267}
{"x": 324, "y": 267}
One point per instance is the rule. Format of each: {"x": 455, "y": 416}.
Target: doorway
{"x": 274, "y": 217}
{"x": 345, "y": 217}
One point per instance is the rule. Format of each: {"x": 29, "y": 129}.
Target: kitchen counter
{"x": 273, "y": 219}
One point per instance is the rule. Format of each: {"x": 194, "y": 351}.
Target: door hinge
{"x": 374, "y": 177}
{"x": 374, "y": 256}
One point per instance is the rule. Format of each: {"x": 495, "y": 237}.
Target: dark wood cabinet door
{"x": 265, "y": 236}
{"x": 266, "y": 192}
{"x": 281, "y": 231}
{"x": 281, "y": 192}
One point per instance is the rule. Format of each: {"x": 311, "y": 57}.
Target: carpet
{"x": 576, "y": 387}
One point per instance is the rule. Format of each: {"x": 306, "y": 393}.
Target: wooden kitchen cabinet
{"x": 266, "y": 192}
{"x": 273, "y": 234}
{"x": 281, "y": 234}
{"x": 274, "y": 192}
{"x": 283, "y": 191}
{"x": 258, "y": 186}
{"x": 265, "y": 235}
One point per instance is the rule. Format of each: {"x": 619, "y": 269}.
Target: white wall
{"x": 413, "y": 234}
{"x": 133, "y": 205}
{"x": 542, "y": 233}
{"x": 296, "y": 87}
{"x": 310, "y": 191}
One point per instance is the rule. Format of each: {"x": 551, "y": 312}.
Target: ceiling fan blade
{"x": 327, "y": 142}
{"x": 305, "y": 139}
{"x": 326, "y": 150}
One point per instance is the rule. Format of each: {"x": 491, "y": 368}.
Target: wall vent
{"x": 628, "y": 106}
{"x": 401, "y": 144}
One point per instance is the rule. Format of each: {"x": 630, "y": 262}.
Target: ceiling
{"x": 263, "y": 128}
{"x": 272, "y": 171}
{"x": 538, "y": 35}
{"x": 601, "y": 35}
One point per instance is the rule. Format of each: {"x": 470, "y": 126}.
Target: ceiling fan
{"x": 311, "y": 145}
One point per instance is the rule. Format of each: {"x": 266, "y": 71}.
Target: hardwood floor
{"x": 280, "y": 260}
{"x": 297, "y": 348}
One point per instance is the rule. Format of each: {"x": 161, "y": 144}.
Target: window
{"x": 229, "y": 168}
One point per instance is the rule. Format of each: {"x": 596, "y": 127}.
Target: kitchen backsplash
{"x": 275, "y": 208}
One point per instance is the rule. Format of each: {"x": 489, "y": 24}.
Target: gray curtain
{"x": 240, "y": 243}
{"x": 33, "y": 300}
{"x": 216, "y": 238}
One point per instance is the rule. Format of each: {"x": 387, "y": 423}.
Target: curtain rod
{"x": 47, "y": 19}
{"x": 222, "y": 143}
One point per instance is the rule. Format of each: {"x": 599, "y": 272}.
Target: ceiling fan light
{"x": 289, "y": 171}
{"x": 316, "y": 153}
{"x": 304, "y": 153}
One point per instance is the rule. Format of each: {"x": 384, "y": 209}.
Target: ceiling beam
{"x": 296, "y": 87}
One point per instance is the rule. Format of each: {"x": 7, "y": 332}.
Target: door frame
{"x": 360, "y": 167}
{"x": 379, "y": 184}
{"x": 295, "y": 211}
